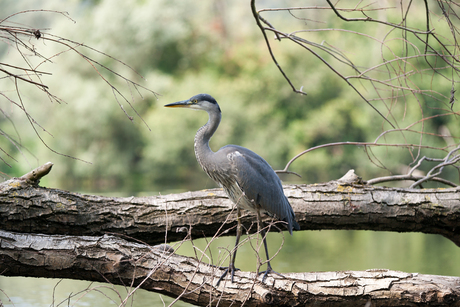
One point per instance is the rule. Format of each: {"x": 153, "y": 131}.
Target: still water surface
{"x": 305, "y": 251}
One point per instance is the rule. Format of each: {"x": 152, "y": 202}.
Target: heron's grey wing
{"x": 260, "y": 183}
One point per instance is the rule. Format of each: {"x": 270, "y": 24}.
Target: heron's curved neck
{"x": 204, "y": 134}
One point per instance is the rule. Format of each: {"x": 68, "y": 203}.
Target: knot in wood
{"x": 267, "y": 298}
{"x": 181, "y": 229}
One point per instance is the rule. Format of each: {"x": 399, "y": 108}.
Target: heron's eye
{"x": 195, "y": 101}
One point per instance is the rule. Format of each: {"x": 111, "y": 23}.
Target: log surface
{"x": 32, "y": 209}
{"x": 111, "y": 259}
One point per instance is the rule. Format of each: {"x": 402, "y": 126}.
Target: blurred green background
{"x": 183, "y": 48}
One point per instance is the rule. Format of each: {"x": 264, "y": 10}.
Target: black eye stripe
{"x": 203, "y": 97}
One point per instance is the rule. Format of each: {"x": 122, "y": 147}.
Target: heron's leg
{"x": 263, "y": 234}
{"x": 231, "y": 266}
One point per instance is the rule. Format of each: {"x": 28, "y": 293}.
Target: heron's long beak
{"x": 180, "y": 104}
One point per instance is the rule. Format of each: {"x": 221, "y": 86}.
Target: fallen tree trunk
{"x": 29, "y": 208}
{"x": 114, "y": 260}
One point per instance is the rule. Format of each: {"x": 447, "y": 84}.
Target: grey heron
{"x": 247, "y": 178}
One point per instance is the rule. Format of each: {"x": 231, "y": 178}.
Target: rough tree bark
{"x": 114, "y": 260}
{"x": 66, "y": 220}
{"x": 334, "y": 205}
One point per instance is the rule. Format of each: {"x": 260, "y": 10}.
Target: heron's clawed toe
{"x": 231, "y": 269}
{"x": 269, "y": 270}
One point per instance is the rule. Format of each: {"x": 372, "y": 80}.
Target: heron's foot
{"x": 231, "y": 268}
{"x": 269, "y": 270}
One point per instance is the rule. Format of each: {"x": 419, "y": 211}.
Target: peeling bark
{"x": 114, "y": 260}
{"x": 32, "y": 209}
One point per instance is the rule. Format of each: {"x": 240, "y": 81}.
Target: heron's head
{"x": 198, "y": 102}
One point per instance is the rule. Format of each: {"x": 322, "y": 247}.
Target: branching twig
{"x": 20, "y": 39}
{"x": 259, "y": 24}
{"x": 397, "y": 79}
{"x": 439, "y": 168}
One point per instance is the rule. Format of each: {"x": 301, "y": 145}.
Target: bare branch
{"x": 20, "y": 39}
{"x": 417, "y": 58}
{"x": 445, "y": 162}
{"x": 259, "y": 24}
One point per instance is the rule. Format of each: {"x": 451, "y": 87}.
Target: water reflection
{"x": 305, "y": 251}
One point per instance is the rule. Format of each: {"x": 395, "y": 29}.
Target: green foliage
{"x": 184, "y": 48}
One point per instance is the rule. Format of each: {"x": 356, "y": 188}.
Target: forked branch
{"x": 21, "y": 39}
{"x": 413, "y": 49}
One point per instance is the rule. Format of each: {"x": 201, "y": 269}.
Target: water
{"x": 305, "y": 251}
